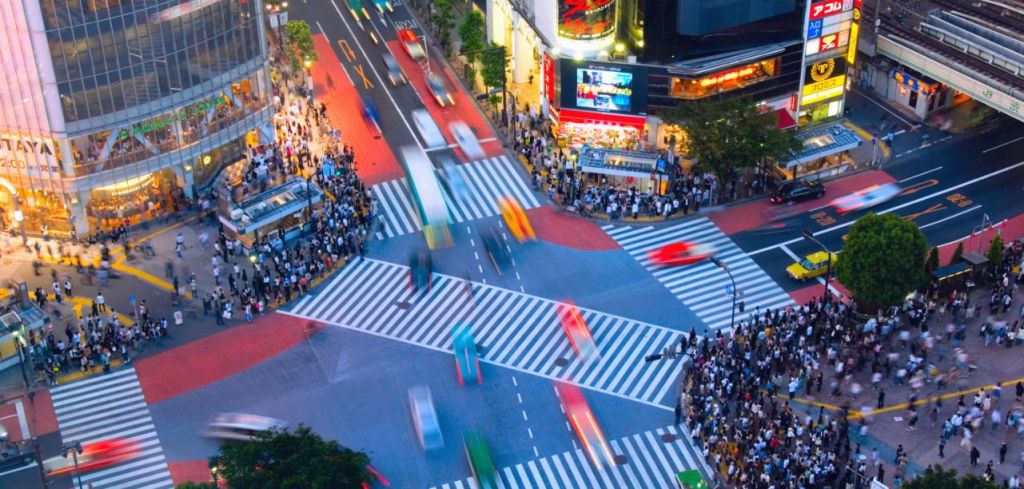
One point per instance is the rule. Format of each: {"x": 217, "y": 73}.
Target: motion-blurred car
{"x": 467, "y": 359}
{"x": 358, "y": 8}
{"x": 515, "y": 219}
{"x": 94, "y": 456}
{"x": 411, "y": 44}
{"x": 796, "y": 191}
{"x": 395, "y": 75}
{"x": 495, "y": 248}
{"x": 14, "y": 454}
{"x": 448, "y": 172}
{"x": 466, "y": 140}
{"x": 681, "y": 253}
{"x": 576, "y": 330}
{"x": 383, "y": 5}
{"x": 370, "y": 112}
{"x": 240, "y": 427}
{"x": 440, "y": 92}
{"x": 583, "y": 423}
{"x": 480, "y": 460}
{"x": 812, "y": 266}
{"x": 421, "y": 269}
{"x": 866, "y": 198}
{"x": 424, "y": 418}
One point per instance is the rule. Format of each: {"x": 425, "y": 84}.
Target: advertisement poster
{"x": 584, "y": 20}
{"x": 603, "y": 89}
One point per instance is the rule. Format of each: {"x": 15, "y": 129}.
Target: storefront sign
{"x": 584, "y": 20}
{"x": 915, "y": 84}
{"x": 851, "y": 53}
{"x": 26, "y": 154}
{"x": 159, "y": 123}
{"x": 824, "y": 79}
{"x": 829, "y": 7}
{"x": 549, "y": 78}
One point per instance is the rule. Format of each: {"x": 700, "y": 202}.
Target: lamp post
{"x": 725, "y": 267}
{"x": 74, "y": 448}
{"x": 808, "y": 235}
{"x": 19, "y": 342}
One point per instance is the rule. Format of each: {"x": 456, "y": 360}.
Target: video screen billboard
{"x": 603, "y": 89}
{"x": 584, "y": 20}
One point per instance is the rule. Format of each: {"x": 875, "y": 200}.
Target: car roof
{"x": 817, "y": 256}
{"x": 246, "y": 421}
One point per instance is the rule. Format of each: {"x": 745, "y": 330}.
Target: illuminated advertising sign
{"x": 851, "y": 54}
{"x": 824, "y": 79}
{"x": 814, "y": 28}
{"x": 829, "y": 7}
{"x": 549, "y": 78}
{"x": 603, "y": 87}
{"x": 584, "y": 20}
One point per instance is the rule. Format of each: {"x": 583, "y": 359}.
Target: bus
{"x": 426, "y": 192}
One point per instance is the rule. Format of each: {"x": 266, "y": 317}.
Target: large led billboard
{"x": 604, "y": 87}
{"x": 586, "y": 20}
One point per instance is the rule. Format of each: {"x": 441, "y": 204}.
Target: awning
{"x": 949, "y": 271}
{"x": 601, "y": 118}
{"x": 785, "y": 120}
{"x": 823, "y": 142}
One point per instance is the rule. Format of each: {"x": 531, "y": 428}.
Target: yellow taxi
{"x": 515, "y": 219}
{"x": 813, "y": 265}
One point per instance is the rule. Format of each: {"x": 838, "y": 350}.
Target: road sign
{"x": 131, "y": 299}
{"x": 728, "y": 289}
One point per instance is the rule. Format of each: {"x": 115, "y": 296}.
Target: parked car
{"x": 796, "y": 191}
{"x": 812, "y": 266}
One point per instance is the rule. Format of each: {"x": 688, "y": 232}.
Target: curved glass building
{"x": 115, "y": 111}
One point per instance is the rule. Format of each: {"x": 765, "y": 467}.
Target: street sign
{"x": 131, "y": 299}
{"x": 728, "y": 289}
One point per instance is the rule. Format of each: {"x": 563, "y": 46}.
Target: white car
{"x": 424, "y": 418}
{"x": 866, "y": 198}
{"x": 466, "y": 139}
{"x": 240, "y": 427}
{"x": 428, "y": 129}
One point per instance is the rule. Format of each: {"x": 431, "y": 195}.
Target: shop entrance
{"x": 134, "y": 200}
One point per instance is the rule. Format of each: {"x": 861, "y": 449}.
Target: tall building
{"x": 113, "y": 111}
{"x": 606, "y": 67}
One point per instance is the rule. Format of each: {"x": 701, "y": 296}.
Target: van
{"x": 428, "y": 129}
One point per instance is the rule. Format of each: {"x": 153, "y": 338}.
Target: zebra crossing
{"x": 703, "y": 287}
{"x": 647, "y": 460}
{"x": 515, "y": 330}
{"x": 112, "y": 407}
{"x": 486, "y": 181}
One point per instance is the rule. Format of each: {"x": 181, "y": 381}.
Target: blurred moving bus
{"x": 426, "y": 192}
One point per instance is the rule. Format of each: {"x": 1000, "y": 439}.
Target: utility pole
{"x": 828, "y": 257}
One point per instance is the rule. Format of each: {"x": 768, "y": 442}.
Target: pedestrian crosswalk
{"x": 703, "y": 287}
{"x": 486, "y": 181}
{"x": 514, "y": 330}
{"x": 113, "y": 407}
{"x": 648, "y": 460}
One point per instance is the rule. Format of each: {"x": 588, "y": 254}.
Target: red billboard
{"x": 549, "y": 78}
{"x": 583, "y": 20}
{"x": 825, "y": 8}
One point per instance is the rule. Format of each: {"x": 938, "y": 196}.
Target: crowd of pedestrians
{"x": 742, "y": 390}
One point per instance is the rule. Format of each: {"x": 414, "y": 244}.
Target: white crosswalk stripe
{"x": 703, "y": 287}
{"x": 486, "y": 181}
{"x": 109, "y": 407}
{"x": 515, "y": 330}
{"x": 647, "y": 461}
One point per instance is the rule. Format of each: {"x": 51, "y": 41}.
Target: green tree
{"x": 935, "y": 477}
{"x": 291, "y": 459}
{"x": 933, "y": 261}
{"x": 196, "y": 485}
{"x": 883, "y": 260}
{"x": 493, "y": 63}
{"x": 472, "y": 33}
{"x": 725, "y": 135}
{"x": 442, "y": 13}
{"x": 300, "y": 43}
{"x": 995, "y": 252}
{"x": 957, "y": 254}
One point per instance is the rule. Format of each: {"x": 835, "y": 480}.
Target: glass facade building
{"x": 113, "y": 111}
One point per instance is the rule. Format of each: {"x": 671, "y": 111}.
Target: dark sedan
{"x": 797, "y": 190}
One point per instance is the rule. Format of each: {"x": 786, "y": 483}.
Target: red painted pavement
{"x": 190, "y": 471}
{"x": 216, "y": 357}
{"x": 464, "y": 108}
{"x": 761, "y": 212}
{"x": 570, "y": 231}
{"x": 1010, "y": 229}
{"x": 814, "y": 291}
{"x": 39, "y": 415}
{"x": 375, "y": 163}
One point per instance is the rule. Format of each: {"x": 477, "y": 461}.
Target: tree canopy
{"x": 493, "y": 62}
{"x": 728, "y": 134}
{"x": 472, "y": 32}
{"x": 283, "y": 459}
{"x": 300, "y": 43}
{"x": 935, "y": 477}
{"x": 995, "y": 252}
{"x": 442, "y": 13}
{"x": 883, "y": 260}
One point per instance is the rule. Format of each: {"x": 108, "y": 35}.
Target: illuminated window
{"x": 724, "y": 81}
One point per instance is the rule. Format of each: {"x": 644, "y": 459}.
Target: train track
{"x": 988, "y": 14}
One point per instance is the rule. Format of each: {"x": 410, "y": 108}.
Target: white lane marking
{"x": 525, "y": 418}
{"x": 514, "y": 381}
{"x": 896, "y": 208}
{"x": 920, "y": 174}
{"x": 380, "y": 79}
{"x": 993, "y": 148}
{"x": 958, "y": 214}
{"x": 520, "y": 397}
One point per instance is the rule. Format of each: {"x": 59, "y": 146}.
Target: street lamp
{"x": 19, "y": 342}
{"x": 75, "y": 449}
{"x": 808, "y": 235}
{"x": 723, "y": 266}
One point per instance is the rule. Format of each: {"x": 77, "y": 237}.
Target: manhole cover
{"x": 561, "y": 362}
{"x": 620, "y": 460}
{"x": 402, "y": 304}
{"x": 668, "y": 438}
